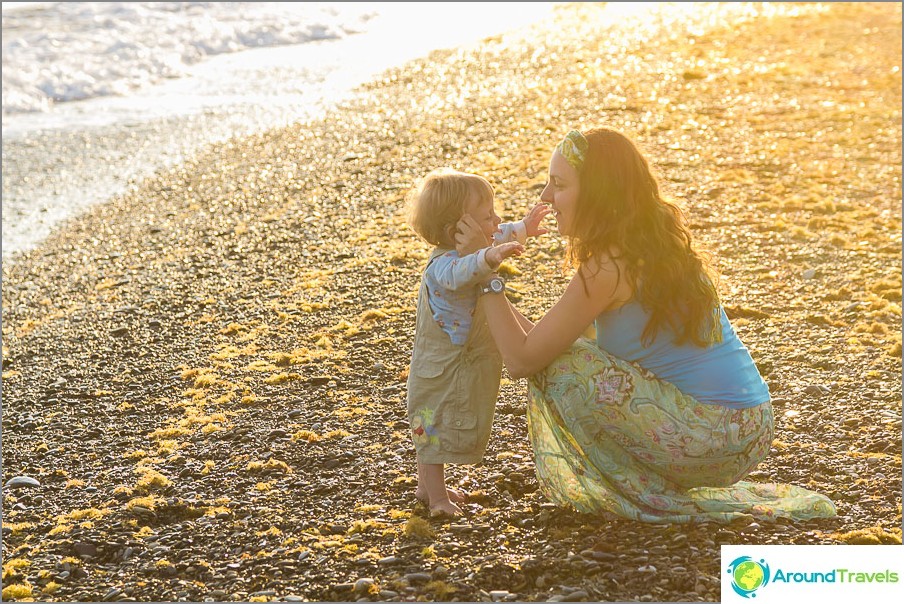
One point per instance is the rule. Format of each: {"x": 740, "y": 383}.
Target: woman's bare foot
{"x": 445, "y": 508}
{"x": 455, "y": 496}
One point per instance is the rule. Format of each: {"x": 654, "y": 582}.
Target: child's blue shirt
{"x": 452, "y": 283}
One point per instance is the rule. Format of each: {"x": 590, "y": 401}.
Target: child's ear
{"x": 451, "y": 230}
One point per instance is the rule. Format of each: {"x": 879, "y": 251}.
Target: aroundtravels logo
{"x": 808, "y": 573}
{"x": 748, "y": 575}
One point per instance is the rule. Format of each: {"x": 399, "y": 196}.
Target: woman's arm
{"x": 528, "y": 349}
{"x": 526, "y": 324}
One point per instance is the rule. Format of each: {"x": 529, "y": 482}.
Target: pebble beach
{"x": 204, "y": 378}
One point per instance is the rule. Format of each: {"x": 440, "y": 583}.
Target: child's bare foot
{"x": 454, "y": 496}
{"x": 445, "y": 508}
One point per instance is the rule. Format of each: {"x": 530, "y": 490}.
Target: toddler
{"x": 455, "y": 367}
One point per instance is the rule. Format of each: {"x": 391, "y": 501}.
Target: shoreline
{"x": 206, "y": 375}
{"x": 43, "y": 194}
{"x": 82, "y": 153}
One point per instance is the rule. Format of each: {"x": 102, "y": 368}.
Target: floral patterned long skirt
{"x": 609, "y": 436}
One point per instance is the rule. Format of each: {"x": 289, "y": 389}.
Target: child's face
{"x": 484, "y": 213}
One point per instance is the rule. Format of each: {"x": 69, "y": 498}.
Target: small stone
{"x": 810, "y": 273}
{"x": 363, "y": 585}
{"x": 498, "y": 595}
{"x": 576, "y": 596}
{"x": 84, "y": 549}
{"x": 417, "y": 578}
{"x": 140, "y": 509}
{"x": 293, "y": 599}
{"x": 388, "y": 561}
{"x": 18, "y": 482}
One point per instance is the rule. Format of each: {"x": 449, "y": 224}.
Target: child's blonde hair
{"x": 438, "y": 202}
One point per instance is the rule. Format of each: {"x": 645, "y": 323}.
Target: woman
{"x": 663, "y": 414}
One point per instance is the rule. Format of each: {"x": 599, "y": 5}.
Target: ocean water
{"x": 97, "y": 95}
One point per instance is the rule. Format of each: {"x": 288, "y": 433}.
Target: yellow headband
{"x": 573, "y": 148}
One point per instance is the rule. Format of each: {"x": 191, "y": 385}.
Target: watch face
{"x": 497, "y": 285}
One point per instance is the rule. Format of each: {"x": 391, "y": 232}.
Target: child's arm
{"x": 511, "y": 231}
{"x": 521, "y": 230}
{"x": 454, "y": 272}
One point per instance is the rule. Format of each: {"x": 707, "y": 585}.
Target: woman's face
{"x": 561, "y": 192}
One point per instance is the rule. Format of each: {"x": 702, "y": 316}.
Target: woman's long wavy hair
{"x": 620, "y": 213}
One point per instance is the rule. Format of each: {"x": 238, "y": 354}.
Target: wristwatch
{"x": 494, "y": 285}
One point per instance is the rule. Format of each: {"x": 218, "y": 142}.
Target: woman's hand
{"x": 469, "y": 237}
{"x": 498, "y": 253}
{"x": 534, "y": 218}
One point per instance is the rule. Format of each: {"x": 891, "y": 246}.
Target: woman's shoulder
{"x": 606, "y": 275}
{"x": 601, "y": 267}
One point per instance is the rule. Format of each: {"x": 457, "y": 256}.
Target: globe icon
{"x": 748, "y": 575}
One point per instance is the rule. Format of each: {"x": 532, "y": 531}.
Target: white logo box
{"x": 768, "y": 574}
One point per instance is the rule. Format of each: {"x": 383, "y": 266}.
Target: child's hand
{"x": 498, "y": 253}
{"x": 533, "y": 219}
{"x": 468, "y": 236}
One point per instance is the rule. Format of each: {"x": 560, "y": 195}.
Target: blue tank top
{"x": 721, "y": 374}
